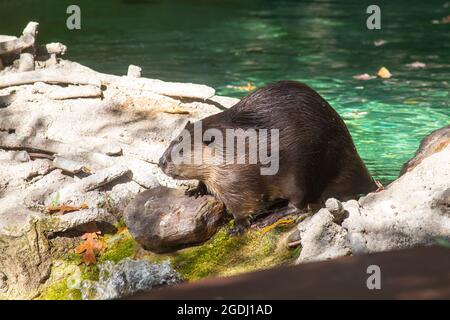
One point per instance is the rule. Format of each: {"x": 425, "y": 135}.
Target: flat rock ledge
{"x": 413, "y": 210}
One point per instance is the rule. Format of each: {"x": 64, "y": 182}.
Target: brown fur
{"x": 317, "y": 156}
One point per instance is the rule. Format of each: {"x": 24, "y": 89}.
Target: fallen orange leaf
{"x": 247, "y": 87}
{"x": 90, "y": 245}
{"x": 384, "y": 73}
{"x": 64, "y": 208}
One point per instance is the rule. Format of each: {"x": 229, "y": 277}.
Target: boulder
{"x": 164, "y": 219}
{"x": 413, "y": 210}
{"x": 127, "y": 277}
{"x": 434, "y": 142}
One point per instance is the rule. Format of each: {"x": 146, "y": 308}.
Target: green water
{"x": 229, "y": 42}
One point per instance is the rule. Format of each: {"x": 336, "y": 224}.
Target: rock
{"x": 128, "y": 277}
{"x": 294, "y": 239}
{"x": 321, "y": 238}
{"x": 413, "y": 210}
{"x": 134, "y": 71}
{"x": 164, "y": 220}
{"x": 434, "y": 142}
{"x": 335, "y": 207}
{"x": 25, "y": 259}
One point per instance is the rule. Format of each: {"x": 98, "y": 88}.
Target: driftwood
{"x": 53, "y": 76}
{"x": 16, "y": 142}
{"x": 6, "y": 100}
{"x": 172, "y": 89}
{"x": 16, "y": 45}
{"x": 93, "y": 182}
{"x": 68, "y": 165}
{"x": 26, "y": 62}
{"x": 74, "y": 92}
{"x": 77, "y": 219}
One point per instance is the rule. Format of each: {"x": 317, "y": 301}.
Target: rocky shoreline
{"x": 76, "y": 146}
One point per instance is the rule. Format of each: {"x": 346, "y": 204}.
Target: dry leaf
{"x": 64, "y": 208}
{"x": 90, "y": 245}
{"x": 384, "y": 73}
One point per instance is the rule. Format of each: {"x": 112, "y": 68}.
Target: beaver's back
{"x": 315, "y": 147}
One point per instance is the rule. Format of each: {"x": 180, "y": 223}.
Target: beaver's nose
{"x": 162, "y": 162}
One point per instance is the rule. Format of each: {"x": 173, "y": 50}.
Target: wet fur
{"x": 318, "y": 159}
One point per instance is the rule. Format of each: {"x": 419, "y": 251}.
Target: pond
{"x": 229, "y": 44}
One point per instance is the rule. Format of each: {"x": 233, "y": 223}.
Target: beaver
{"x": 317, "y": 156}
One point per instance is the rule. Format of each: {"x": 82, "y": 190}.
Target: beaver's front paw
{"x": 198, "y": 191}
{"x": 239, "y": 228}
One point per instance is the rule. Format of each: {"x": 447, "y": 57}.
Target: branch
{"x": 74, "y": 92}
{"x": 47, "y": 76}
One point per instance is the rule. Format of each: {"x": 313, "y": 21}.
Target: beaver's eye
{"x": 180, "y": 138}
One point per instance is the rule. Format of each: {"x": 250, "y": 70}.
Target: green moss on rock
{"x": 59, "y": 291}
{"x": 119, "y": 247}
{"x": 223, "y": 255}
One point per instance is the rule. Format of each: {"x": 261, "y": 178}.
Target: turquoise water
{"x": 229, "y": 43}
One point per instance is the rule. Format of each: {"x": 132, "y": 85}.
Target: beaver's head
{"x": 185, "y": 158}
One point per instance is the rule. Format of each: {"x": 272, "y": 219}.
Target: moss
{"x": 119, "y": 246}
{"x": 59, "y": 291}
{"x": 224, "y": 255}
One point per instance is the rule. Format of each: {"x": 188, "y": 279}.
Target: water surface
{"x": 229, "y": 43}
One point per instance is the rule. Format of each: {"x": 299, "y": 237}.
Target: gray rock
{"x": 434, "y": 142}
{"x": 336, "y": 209}
{"x": 163, "y": 219}
{"x": 413, "y": 210}
{"x": 321, "y": 238}
{"x": 127, "y": 277}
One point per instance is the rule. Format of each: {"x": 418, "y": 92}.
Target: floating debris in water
{"x": 128, "y": 277}
{"x": 444, "y": 20}
{"x": 364, "y": 76}
{"x": 355, "y": 114}
{"x": 384, "y": 73}
{"x": 247, "y": 87}
{"x": 379, "y": 42}
{"x": 416, "y": 65}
